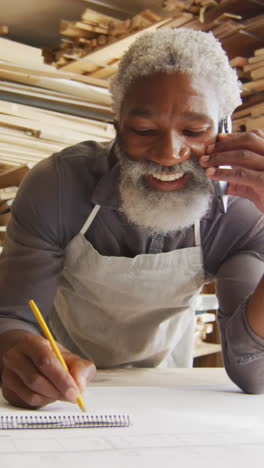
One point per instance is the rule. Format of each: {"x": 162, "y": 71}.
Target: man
{"x": 114, "y": 241}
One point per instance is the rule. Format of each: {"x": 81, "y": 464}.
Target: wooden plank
{"x": 53, "y": 73}
{"x": 18, "y": 53}
{"x": 253, "y": 66}
{"x": 54, "y": 97}
{"x": 51, "y": 131}
{"x": 13, "y": 177}
{"x": 80, "y": 90}
{"x": 171, "y": 5}
{"x": 87, "y": 27}
{"x": 259, "y": 52}
{"x": 180, "y": 20}
{"x": 24, "y": 128}
{"x": 256, "y": 59}
{"x": 29, "y": 142}
{"x": 257, "y": 85}
{"x": 104, "y": 73}
{"x": 253, "y": 110}
{"x": 79, "y": 29}
{"x": 94, "y": 17}
{"x": 109, "y": 52}
{"x": 258, "y": 73}
{"x": 5, "y": 167}
{"x": 56, "y": 119}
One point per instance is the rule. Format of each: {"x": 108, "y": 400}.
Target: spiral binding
{"x": 63, "y": 421}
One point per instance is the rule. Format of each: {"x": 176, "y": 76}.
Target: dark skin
{"x": 165, "y": 119}
{"x": 166, "y": 126}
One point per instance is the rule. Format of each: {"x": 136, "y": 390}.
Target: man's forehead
{"x": 149, "y": 113}
{"x": 177, "y": 94}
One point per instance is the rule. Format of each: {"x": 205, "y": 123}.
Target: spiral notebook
{"x": 60, "y": 421}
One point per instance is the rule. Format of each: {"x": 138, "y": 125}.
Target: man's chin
{"x": 162, "y": 212}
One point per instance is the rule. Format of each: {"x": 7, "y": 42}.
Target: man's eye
{"x": 194, "y": 133}
{"x": 144, "y": 132}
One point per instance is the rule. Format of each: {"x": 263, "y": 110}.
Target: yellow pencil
{"x": 48, "y": 335}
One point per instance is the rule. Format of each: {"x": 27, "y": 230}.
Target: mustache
{"x": 138, "y": 169}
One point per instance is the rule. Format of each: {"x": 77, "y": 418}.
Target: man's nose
{"x": 170, "y": 150}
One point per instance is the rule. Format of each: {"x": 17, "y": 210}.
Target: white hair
{"x": 181, "y": 49}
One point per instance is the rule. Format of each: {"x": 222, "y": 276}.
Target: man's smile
{"x": 167, "y": 182}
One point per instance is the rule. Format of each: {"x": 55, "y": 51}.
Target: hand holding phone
{"x": 220, "y": 187}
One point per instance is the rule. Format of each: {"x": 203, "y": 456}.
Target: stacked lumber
{"x": 94, "y": 45}
{"x": 251, "y": 72}
{"x": 42, "y": 82}
{"x": 42, "y": 110}
{"x": 30, "y": 134}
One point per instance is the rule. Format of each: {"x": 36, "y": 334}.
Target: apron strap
{"x": 90, "y": 219}
{"x": 197, "y": 233}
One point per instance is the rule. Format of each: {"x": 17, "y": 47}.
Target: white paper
{"x": 188, "y": 426}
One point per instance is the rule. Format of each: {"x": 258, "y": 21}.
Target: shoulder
{"x": 74, "y": 167}
{"x": 87, "y": 152}
{"x": 49, "y": 195}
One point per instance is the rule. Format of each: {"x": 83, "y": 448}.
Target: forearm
{"x": 240, "y": 294}
{"x": 243, "y": 352}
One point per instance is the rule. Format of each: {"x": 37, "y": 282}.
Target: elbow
{"x": 252, "y": 388}
{"x": 248, "y": 377}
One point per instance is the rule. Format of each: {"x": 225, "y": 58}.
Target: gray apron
{"x": 119, "y": 311}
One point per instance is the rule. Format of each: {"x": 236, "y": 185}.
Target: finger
{"x": 239, "y": 176}
{"x": 252, "y": 141}
{"x": 241, "y": 157}
{"x": 18, "y": 394}
{"x": 29, "y": 375}
{"x": 82, "y": 371}
{"x": 38, "y": 350}
{"x": 223, "y": 136}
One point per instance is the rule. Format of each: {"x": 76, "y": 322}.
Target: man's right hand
{"x": 31, "y": 374}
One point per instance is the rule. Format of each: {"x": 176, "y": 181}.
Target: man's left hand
{"x": 244, "y": 152}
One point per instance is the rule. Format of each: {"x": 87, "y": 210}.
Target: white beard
{"x": 162, "y": 212}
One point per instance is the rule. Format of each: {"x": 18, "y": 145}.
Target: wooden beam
{"x": 53, "y": 73}
{"x": 13, "y": 177}
{"x": 50, "y": 97}
{"x": 257, "y": 85}
{"x": 94, "y": 17}
{"x": 79, "y": 90}
{"x": 47, "y": 130}
{"x": 55, "y": 119}
{"x": 18, "y": 53}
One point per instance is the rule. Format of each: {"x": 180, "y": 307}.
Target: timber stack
{"x": 250, "y": 114}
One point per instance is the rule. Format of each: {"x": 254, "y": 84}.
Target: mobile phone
{"x": 220, "y": 187}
